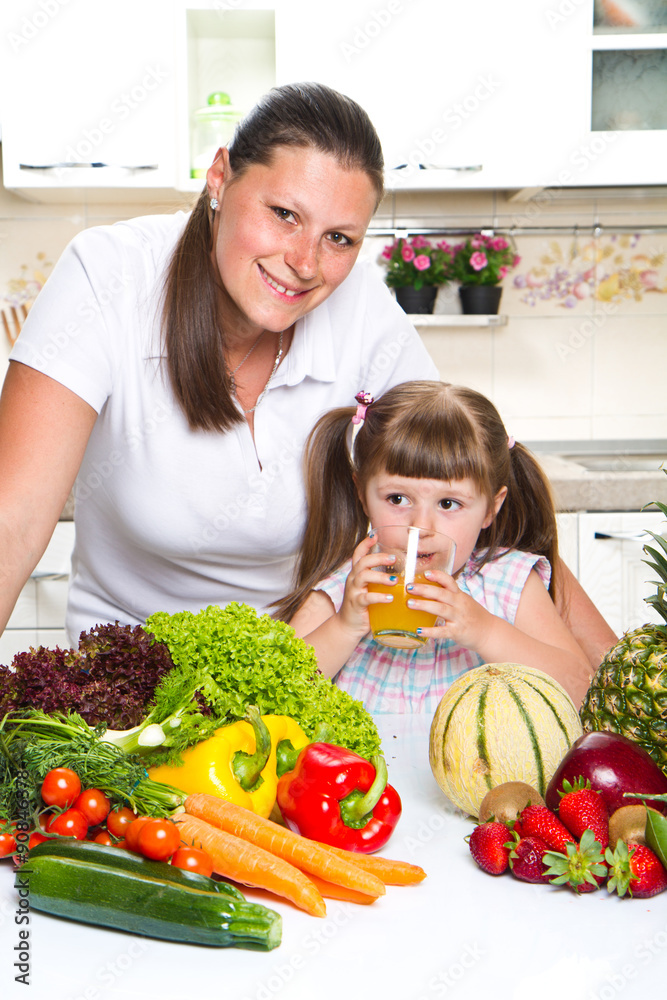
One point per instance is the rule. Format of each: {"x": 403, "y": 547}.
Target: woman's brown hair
{"x": 422, "y": 430}
{"x": 306, "y": 115}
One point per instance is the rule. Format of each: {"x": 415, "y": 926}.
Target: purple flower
{"x": 422, "y": 262}
{"x": 478, "y": 261}
{"x": 407, "y": 253}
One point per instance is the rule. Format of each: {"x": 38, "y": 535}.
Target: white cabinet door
{"x": 459, "y": 88}
{"x": 612, "y": 569}
{"x": 39, "y": 615}
{"x": 86, "y": 84}
{"x": 605, "y": 97}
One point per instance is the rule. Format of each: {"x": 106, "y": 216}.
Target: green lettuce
{"x": 254, "y": 659}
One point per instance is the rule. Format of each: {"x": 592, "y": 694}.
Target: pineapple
{"x": 628, "y": 693}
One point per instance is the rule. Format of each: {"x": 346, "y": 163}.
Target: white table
{"x": 460, "y": 933}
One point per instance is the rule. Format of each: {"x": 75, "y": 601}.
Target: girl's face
{"x": 456, "y": 509}
{"x": 287, "y": 234}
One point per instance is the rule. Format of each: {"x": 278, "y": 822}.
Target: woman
{"x": 173, "y": 366}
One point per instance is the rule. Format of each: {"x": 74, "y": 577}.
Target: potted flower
{"x": 479, "y": 265}
{"x": 416, "y": 269}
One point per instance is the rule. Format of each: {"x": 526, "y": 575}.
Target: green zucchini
{"x": 117, "y": 857}
{"x": 94, "y": 891}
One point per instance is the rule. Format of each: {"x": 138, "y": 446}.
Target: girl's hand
{"x": 464, "y": 620}
{"x": 353, "y": 614}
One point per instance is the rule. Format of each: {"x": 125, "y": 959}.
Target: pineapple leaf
{"x": 658, "y": 554}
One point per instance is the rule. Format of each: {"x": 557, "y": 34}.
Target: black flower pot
{"x": 476, "y": 299}
{"x": 414, "y": 300}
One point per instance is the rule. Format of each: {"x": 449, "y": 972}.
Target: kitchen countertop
{"x": 459, "y": 933}
{"x": 604, "y": 475}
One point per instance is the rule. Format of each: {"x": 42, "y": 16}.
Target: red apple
{"x": 613, "y": 764}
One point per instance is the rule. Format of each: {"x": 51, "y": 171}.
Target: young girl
{"x": 437, "y": 456}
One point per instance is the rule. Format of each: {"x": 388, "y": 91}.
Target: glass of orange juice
{"x": 416, "y": 550}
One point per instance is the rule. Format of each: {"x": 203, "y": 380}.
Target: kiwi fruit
{"x": 507, "y": 800}
{"x": 629, "y": 824}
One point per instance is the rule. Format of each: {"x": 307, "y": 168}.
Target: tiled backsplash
{"x": 584, "y": 351}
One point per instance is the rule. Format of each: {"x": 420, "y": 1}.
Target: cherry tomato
{"x": 118, "y": 821}
{"x": 61, "y": 788}
{"x": 132, "y": 831}
{"x": 158, "y": 839}
{"x": 94, "y": 805}
{"x": 36, "y": 838}
{"x": 70, "y": 823}
{"x": 193, "y": 860}
{"x": 103, "y": 838}
{"x": 7, "y": 842}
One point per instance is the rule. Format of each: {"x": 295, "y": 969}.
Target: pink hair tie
{"x": 364, "y": 400}
{"x": 510, "y": 442}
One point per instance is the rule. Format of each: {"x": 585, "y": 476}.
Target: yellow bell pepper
{"x": 238, "y": 763}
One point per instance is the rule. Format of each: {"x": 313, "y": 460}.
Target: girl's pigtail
{"x": 527, "y": 518}
{"x": 336, "y": 521}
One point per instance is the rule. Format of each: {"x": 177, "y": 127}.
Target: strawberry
{"x": 539, "y": 821}
{"x": 526, "y": 860}
{"x": 581, "y": 866}
{"x": 581, "y": 808}
{"x": 634, "y": 868}
{"x": 488, "y": 846}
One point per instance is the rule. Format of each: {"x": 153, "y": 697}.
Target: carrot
{"x": 305, "y": 854}
{"x": 332, "y": 891}
{"x": 390, "y": 872}
{"x": 244, "y": 862}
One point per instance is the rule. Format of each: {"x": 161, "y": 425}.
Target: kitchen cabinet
{"x": 89, "y": 97}
{"x": 38, "y": 618}
{"x": 606, "y": 104}
{"x": 455, "y": 89}
{"x": 605, "y": 553}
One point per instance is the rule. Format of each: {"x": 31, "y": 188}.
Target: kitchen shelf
{"x": 456, "y": 319}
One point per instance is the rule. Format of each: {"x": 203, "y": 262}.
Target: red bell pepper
{"x": 337, "y": 797}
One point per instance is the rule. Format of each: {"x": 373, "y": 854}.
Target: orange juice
{"x": 395, "y": 624}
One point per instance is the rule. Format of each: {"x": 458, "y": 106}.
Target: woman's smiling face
{"x": 286, "y": 234}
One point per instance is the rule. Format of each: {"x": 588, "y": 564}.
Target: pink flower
{"x": 422, "y": 262}
{"x": 499, "y": 243}
{"x": 419, "y": 242}
{"x": 444, "y": 246}
{"x": 387, "y": 252}
{"x": 478, "y": 261}
{"x": 502, "y": 271}
{"x": 407, "y": 253}
{"x": 477, "y": 241}
{"x": 517, "y": 260}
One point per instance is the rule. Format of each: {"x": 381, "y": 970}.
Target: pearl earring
{"x": 214, "y": 203}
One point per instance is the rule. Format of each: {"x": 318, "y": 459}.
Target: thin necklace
{"x": 232, "y": 381}
{"x": 273, "y": 371}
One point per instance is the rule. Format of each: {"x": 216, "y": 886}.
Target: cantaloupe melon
{"x": 500, "y": 722}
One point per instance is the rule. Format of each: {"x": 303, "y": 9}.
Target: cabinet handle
{"x": 60, "y": 166}
{"x": 632, "y": 536}
{"x": 474, "y": 168}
